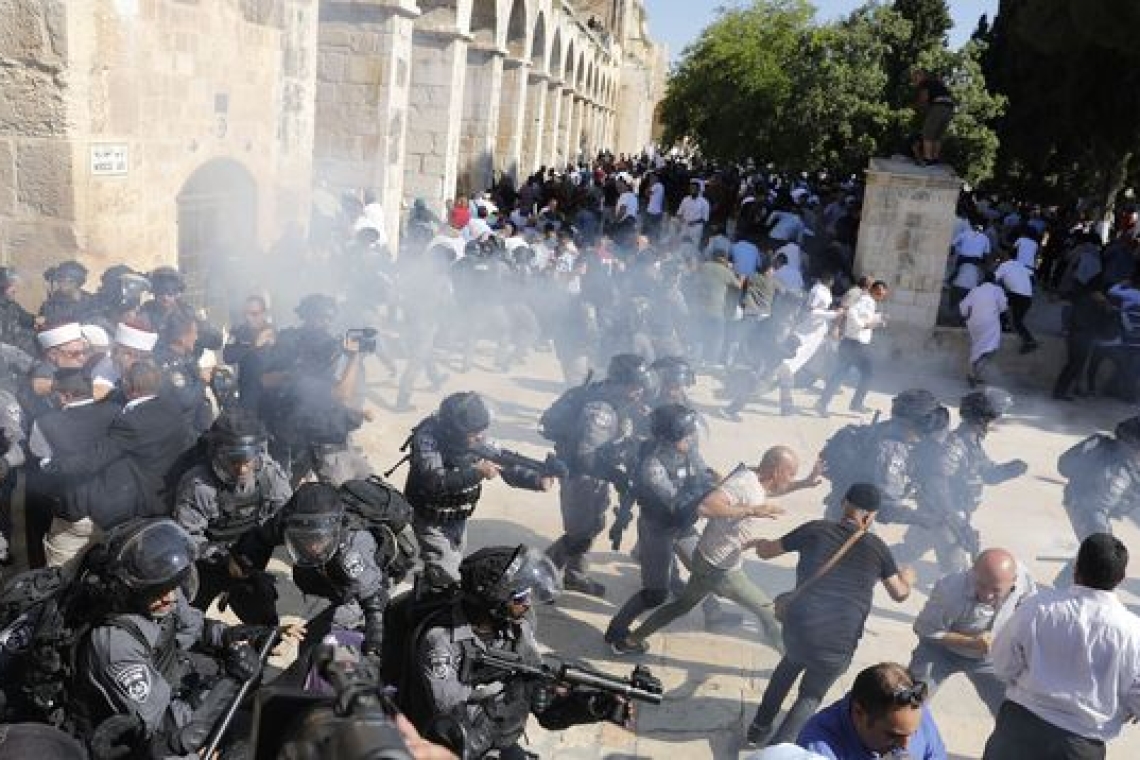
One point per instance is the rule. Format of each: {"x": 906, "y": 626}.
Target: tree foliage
{"x": 1071, "y": 72}
{"x": 768, "y": 81}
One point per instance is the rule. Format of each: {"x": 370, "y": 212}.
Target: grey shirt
{"x": 953, "y": 607}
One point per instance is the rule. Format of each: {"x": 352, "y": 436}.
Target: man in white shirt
{"x": 693, "y": 214}
{"x": 1012, "y": 275}
{"x": 654, "y": 208}
{"x": 736, "y": 510}
{"x": 1070, "y": 659}
{"x": 1025, "y": 250}
{"x": 855, "y": 348}
{"x": 957, "y": 625}
{"x": 982, "y": 309}
{"x": 624, "y": 231}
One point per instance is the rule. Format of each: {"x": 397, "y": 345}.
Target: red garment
{"x": 459, "y": 217}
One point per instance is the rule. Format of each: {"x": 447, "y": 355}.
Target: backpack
{"x": 1090, "y": 455}
{"x": 377, "y": 506}
{"x": 557, "y": 423}
{"x": 406, "y": 618}
{"x": 44, "y": 615}
{"x": 845, "y": 452}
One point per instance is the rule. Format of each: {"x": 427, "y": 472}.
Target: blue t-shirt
{"x": 745, "y": 258}
{"x": 831, "y": 733}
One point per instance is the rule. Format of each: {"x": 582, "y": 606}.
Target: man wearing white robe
{"x": 982, "y": 308}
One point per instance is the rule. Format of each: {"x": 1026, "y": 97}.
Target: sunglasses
{"x": 911, "y": 696}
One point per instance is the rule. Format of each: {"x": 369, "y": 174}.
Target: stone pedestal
{"x": 904, "y": 239}
{"x": 534, "y": 123}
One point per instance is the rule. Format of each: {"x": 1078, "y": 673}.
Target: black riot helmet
{"x": 67, "y": 271}
{"x": 494, "y": 577}
{"x": 147, "y": 558}
{"x": 317, "y": 307}
{"x": 122, "y": 287}
{"x": 464, "y": 414}
{"x": 674, "y": 372}
{"x": 1128, "y": 432}
{"x": 985, "y": 406}
{"x": 236, "y": 443}
{"x": 915, "y": 406}
{"x": 314, "y": 524}
{"x": 673, "y": 422}
{"x": 167, "y": 281}
{"x": 8, "y": 277}
{"x": 629, "y": 370}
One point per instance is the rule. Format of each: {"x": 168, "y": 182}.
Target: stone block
{"x": 44, "y": 178}
{"x": 32, "y": 105}
{"x": 330, "y": 66}
{"x": 364, "y": 69}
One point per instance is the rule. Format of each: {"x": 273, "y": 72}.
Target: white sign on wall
{"x": 109, "y": 159}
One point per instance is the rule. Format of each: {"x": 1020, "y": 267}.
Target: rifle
{"x": 228, "y": 718}
{"x": 623, "y": 515}
{"x": 964, "y": 534}
{"x": 551, "y": 467}
{"x": 641, "y": 685}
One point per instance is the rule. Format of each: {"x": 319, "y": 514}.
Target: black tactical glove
{"x": 116, "y": 737}
{"x": 5, "y": 468}
{"x": 241, "y": 661}
{"x": 254, "y": 635}
{"x": 1008, "y": 471}
{"x": 373, "y": 608}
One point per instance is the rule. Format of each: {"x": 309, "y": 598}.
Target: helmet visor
{"x": 536, "y": 579}
{"x": 312, "y": 540}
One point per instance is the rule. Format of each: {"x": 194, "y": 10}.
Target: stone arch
{"x": 538, "y": 52}
{"x": 516, "y": 29}
{"x": 568, "y": 70}
{"x": 580, "y": 81}
{"x": 554, "y": 62}
{"x": 484, "y": 23}
{"x": 217, "y": 233}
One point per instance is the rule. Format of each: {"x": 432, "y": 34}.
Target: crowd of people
{"x": 154, "y": 463}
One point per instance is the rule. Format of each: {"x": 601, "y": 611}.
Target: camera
{"x": 354, "y": 722}
{"x": 365, "y": 338}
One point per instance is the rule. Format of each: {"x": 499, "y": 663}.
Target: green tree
{"x": 929, "y": 22}
{"x": 1071, "y": 72}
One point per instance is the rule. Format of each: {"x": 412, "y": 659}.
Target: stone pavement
{"x": 713, "y": 681}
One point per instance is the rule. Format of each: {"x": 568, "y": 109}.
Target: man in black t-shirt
{"x": 823, "y": 623}
{"x": 934, "y": 101}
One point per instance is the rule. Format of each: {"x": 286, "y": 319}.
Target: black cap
{"x": 864, "y": 496}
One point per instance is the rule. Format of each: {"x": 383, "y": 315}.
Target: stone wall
{"x": 37, "y": 201}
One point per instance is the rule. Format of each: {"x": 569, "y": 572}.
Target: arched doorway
{"x": 217, "y": 235}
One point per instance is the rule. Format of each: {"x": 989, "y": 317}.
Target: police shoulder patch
{"x": 353, "y": 564}
{"x": 133, "y": 679}
{"x": 441, "y": 663}
{"x": 178, "y": 380}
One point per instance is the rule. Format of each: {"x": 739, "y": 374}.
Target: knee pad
{"x": 578, "y": 544}
{"x": 654, "y": 597}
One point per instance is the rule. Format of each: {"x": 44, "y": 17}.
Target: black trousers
{"x": 1019, "y": 735}
{"x": 851, "y": 353}
{"x": 1080, "y": 346}
{"x": 818, "y": 678}
{"x": 1018, "y": 308}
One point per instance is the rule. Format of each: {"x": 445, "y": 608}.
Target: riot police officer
{"x": 445, "y": 480}
{"x": 236, "y": 488}
{"x": 17, "y": 324}
{"x": 1103, "y": 482}
{"x": 182, "y": 381}
{"x": 136, "y": 660}
{"x": 168, "y": 286}
{"x": 67, "y": 301}
{"x": 669, "y": 482}
{"x": 882, "y": 454}
{"x": 950, "y": 476}
{"x": 334, "y": 558}
{"x": 597, "y": 443}
{"x": 448, "y": 694}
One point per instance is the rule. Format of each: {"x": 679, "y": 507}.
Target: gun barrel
{"x": 223, "y": 725}
{"x": 579, "y": 676}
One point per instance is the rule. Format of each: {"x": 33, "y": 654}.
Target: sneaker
{"x": 629, "y": 646}
{"x": 757, "y": 736}
{"x": 583, "y": 585}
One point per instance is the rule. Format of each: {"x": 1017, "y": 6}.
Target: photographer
{"x": 311, "y": 392}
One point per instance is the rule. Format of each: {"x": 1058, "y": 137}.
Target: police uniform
{"x": 950, "y": 477}
{"x": 884, "y": 460}
{"x": 17, "y": 326}
{"x": 443, "y": 487}
{"x": 183, "y": 385}
{"x": 12, "y": 430}
{"x": 215, "y": 516}
{"x": 141, "y": 666}
{"x": 668, "y": 484}
{"x": 602, "y": 438}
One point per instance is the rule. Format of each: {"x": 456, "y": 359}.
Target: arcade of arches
{"x": 118, "y": 111}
